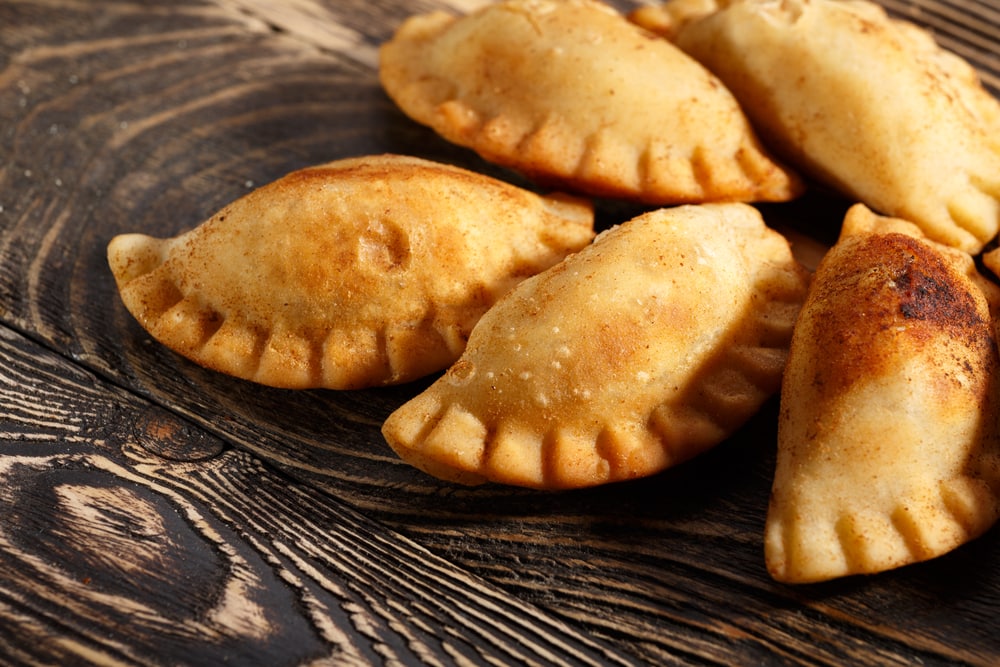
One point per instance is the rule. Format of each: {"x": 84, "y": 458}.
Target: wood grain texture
{"x": 154, "y": 512}
{"x": 214, "y": 557}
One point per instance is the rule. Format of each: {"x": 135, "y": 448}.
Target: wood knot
{"x": 165, "y": 435}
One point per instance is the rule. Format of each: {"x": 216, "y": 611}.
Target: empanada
{"x": 573, "y": 95}
{"x": 867, "y": 104}
{"x": 642, "y": 350}
{"x": 888, "y": 445}
{"x": 361, "y": 272}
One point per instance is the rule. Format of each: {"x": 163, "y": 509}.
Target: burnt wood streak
{"x": 152, "y": 512}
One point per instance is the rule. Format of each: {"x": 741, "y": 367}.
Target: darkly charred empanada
{"x": 573, "y": 95}
{"x": 867, "y": 104}
{"x": 360, "y": 272}
{"x": 637, "y": 353}
{"x": 888, "y": 441}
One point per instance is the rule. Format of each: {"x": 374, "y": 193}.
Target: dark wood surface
{"x": 152, "y": 512}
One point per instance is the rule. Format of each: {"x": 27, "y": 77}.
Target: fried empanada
{"x": 571, "y": 94}
{"x": 639, "y": 352}
{"x": 888, "y": 445}
{"x": 868, "y": 105}
{"x": 361, "y": 272}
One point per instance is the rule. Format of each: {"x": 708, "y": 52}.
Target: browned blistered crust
{"x": 894, "y": 282}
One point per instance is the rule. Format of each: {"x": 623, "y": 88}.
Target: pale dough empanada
{"x": 571, "y": 94}
{"x": 868, "y": 105}
{"x": 639, "y": 352}
{"x": 361, "y": 272}
{"x": 888, "y": 445}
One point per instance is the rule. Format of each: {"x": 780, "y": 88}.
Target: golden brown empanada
{"x": 866, "y": 104}
{"x": 360, "y": 272}
{"x": 639, "y": 352}
{"x": 888, "y": 445}
{"x": 572, "y": 94}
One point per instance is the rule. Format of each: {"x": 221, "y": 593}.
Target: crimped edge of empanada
{"x": 274, "y": 356}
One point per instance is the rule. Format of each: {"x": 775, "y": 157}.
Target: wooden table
{"x": 152, "y": 512}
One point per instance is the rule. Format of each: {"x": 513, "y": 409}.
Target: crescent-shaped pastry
{"x": 361, "y": 272}
{"x": 867, "y": 104}
{"x": 637, "y": 353}
{"x": 571, "y": 94}
{"x": 888, "y": 440}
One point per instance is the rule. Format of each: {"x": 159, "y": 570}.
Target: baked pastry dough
{"x": 867, "y": 104}
{"x": 888, "y": 443}
{"x": 573, "y": 95}
{"x": 360, "y": 272}
{"x": 639, "y": 352}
